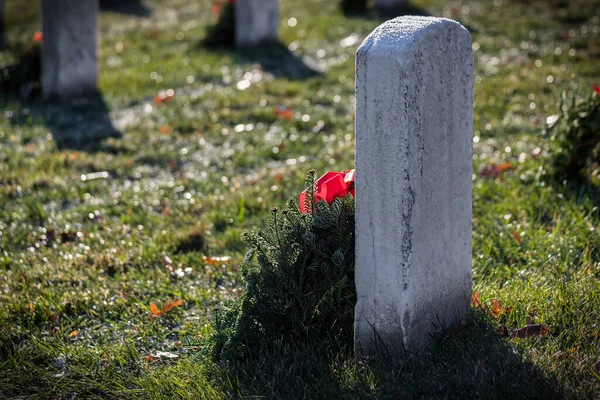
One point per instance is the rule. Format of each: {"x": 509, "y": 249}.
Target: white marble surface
{"x": 414, "y": 116}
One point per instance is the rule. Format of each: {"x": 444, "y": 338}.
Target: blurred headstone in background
{"x": 256, "y": 21}
{"x": 69, "y": 50}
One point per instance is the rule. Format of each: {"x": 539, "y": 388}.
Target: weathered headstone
{"x": 389, "y": 3}
{"x": 69, "y": 49}
{"x": 414, "y": 115}
{"x": 256, "y": 21}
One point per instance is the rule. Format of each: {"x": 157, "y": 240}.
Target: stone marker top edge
{"x": 400, "y": 33}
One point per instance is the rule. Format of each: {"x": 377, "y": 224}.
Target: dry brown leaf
{"x": 517, "y": 237}
{"x": 562, "y": 355}
{"x": 496, "y": 309}
{"x": 154, "y": 33}
{"x": 173, "y": 166}
{"x": 530, "y": 330}
{"x": 476, "y": 300}
{"x": 526, "y": 331}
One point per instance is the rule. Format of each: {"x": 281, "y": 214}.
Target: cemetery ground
{"x": 92, "y": 235}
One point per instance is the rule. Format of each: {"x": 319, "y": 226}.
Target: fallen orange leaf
{"x": 476, "y": 300}
{"x": 216, "y": 260}
{"x": 284, "y": 112}
{"x": 517, "y": 237}
{"x": 496, "y": 309}
{"x": 155, "y": 310}
{"x": 504, "y": 167}
{"x": 171, "y": 304}
{"x": 494, "y": 171}
{"x": 164, "y": 96}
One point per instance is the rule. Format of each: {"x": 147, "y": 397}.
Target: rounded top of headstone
{"x": 401, "y": 33}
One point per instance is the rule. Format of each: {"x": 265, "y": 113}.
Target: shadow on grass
{"x": 387, "y": 13}
{"x": 129, "y": 7}
{"x": 276, "y": 59}
{"x": 273, "y": 57}
{"x": 475, "y": 363}
{"x": 384, "y": 14}
{"x": 79, "y": 123}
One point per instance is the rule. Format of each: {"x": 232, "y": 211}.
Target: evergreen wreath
{"x": 299, "y": 281}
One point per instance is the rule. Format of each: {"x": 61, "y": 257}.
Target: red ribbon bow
{"x": 330, "y": 186}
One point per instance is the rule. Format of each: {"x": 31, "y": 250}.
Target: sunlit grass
{"x": 81, "y": 259}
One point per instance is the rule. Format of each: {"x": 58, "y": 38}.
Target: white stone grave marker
{"x": 414, "y": 116}
{"x": 256, "y": 21}
{"x": 69, "y": 47}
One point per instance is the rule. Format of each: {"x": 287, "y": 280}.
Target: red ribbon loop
{"x": 331, "y": 186}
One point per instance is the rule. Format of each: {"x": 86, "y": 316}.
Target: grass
{"x": 83, "y": 255}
